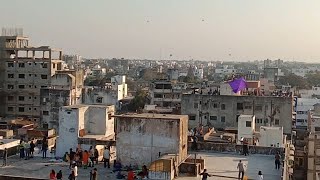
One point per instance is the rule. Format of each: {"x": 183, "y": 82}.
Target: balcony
{"x": 162, "y": 90}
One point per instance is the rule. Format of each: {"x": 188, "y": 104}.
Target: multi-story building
{"x": 24, "y": 70}
{"x": 272, "y": 73}
{"x": 314, "y": 144}
{"x": 65, "y": 90}
{"x": 111, "y": 94}
{"x": 223, "y": 111}
{"x": 166, "y": 95}
{"x": 302, "y": 108}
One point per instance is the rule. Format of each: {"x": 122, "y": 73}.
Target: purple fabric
{"x": 238, "y": 84}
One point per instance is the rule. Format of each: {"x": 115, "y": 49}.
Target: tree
{"x": 294, "y": 81}
{"x": 187, "y": 79}
{"x": 313, "y": 79}
{"x": 138, "y": 102}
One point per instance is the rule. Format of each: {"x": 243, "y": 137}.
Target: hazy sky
{"x": 198, "y": 29}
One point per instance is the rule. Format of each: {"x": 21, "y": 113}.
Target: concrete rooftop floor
{"x": 217, "y": 164}
{"x": 225, "y": 164}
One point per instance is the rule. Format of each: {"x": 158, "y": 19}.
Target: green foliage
{"x": 313, "y": 79}
{"x": 294, "y": 81}
{"x": 187, "y": 79}
{"x": 138, "y": 101}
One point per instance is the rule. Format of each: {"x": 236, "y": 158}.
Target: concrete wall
{"x": 95, "y": 120}
{"x": 243, "y": 130}
{"x": 204, "y": 106}
{"x": 233, "y": 148}
{"x": 271, "y": 136}
{"x": 100, "y": 96}
{"x": 140, "y": 140}
{"x": 98, "y": 120}
{"x": 71, "y": 120}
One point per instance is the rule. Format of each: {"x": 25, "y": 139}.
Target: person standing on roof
{"x": 240, "y": 167}
{"x": 205, "y": 175}
{"x": 5, "y": 156}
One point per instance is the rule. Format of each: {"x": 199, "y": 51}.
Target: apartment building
{"x": 65, "y": 90}
{"x": 166, "y": 95}
{"x": 314, "y": 144}
{"x": 223, "y": 111}
{"x": 24, "y": 71}
{"x": 111, "y": 93}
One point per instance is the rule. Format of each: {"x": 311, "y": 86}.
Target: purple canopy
{"x": 238, "y": 84}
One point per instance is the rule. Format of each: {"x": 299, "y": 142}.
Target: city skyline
{"x": 210, "y": 30}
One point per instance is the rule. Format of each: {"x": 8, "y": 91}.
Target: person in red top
{"x": 53, "y": 175}
{"x": 130, "y": 175}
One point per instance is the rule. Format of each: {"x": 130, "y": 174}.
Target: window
{"x": 35, "y": 97}
{"x": 10, "y": 76}
{"x": 99, "y": 100}
{"x": 30, "y": 97}
{"x": 21, "y": 109}
{"x": 195, "y": 105}
{"x": 300, "y": 120}
{"x": 299, "y": 112}
{"x": 258, "y": 108}
{"x": 192, "y": 117}
{"x": 316, "y": 128}
{"x": 10, "y": 86}
{"x": 223, "y": 119}
{"x": 30, "y": 75}
{"x": 10, "y": 64}
{"x": 109, "y": 116}
{"x": 35, "y": 109}
{"x": 10, "y": 98}
{"x": 239, "y": 106}
{"x": 157, "y": 95}
{"x": 258, "y": 121}
{"x": 10, "y": 109}
{"x": 21, "y": 76}
{"x": 44, "y": 76}
{"x": 248, "y": 123}
{"x": 21, "y": 86}
{"x": 53, "y": 65}
{"x": 21, "y": 65}
{"x": 276, "y": 122}
{"x": 223, "y": 106}
{"x": 45, "y": 65}
{"x": 21, "y": 98}
{"x": 215, "y": 105}
{"x": 213, "y": 118}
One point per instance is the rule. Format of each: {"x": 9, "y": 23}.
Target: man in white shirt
{"x": 106, "y": 157}
{"x": 75, "y": 170}
{"x": 241, "y": 167}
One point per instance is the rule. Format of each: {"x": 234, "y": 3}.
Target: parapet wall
{"x": 224, "y": 147}
{"x": 7, "y": 177}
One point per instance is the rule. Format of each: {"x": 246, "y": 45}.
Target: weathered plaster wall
{"x": 139, "y": 140}
{"x": 71, "y": 120}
